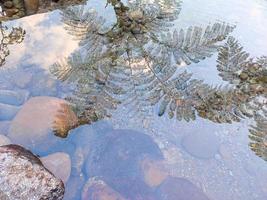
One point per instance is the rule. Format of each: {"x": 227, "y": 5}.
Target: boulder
{"x": 23, "y": 176}
{"x": 59, "y": 164}
{"x": 116, "y": 156}
{"x": 39, "y": 119}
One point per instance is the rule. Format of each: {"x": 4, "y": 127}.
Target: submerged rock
{"x": 96, "y": 189}
{"x": 35, "y": 123}
{"x": 15, "y": 98}
{"x": 202, "y": 145}
{"x": 116, "y": 158}
{"x": 59, "y": 164}
{"x": 179, "y": 189}
{"x": 8, "y": 112}
{"x": 4, "y": 126}
{"x": 154, "y": 172}
{"x": 23, "y": 176}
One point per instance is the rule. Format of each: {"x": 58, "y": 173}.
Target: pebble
{"x": 59, "y": 164}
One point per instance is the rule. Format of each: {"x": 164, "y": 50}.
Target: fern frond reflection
{"x": 136, "y": 60}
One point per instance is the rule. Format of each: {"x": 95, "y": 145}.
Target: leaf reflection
{"x": 136, "y": 60}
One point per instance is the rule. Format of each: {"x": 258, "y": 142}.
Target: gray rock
{"x": 23, "y": 176}
{"x": 8, "y": 112}
{"x": 15, "y": 98}
{"x": 202, "y": 145}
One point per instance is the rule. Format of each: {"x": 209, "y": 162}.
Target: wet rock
{"x": 15, "y": 98}
{"x": 154, "y": 172}
{"x": 179, "y": 188}
{"x": 59, "y": 164}
{"x": 96, "y": 189}
{"x": 35, "y": 122}
{"x": 202, "y": 145}
{"x": 4, "y": 126}
{"x": 23, "y": 177}
{"x": 4, "y": 140}
{"x": 31, "y": 6}
{"x": 8, "y": 112}
{"x": 116, "y": 158}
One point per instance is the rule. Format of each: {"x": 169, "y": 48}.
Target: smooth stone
{"x": 15, "y": 98}
{"x": 31, "y": 6}
{"x": 154, "y": 172}
{"x": 4, "y": 126}
{"x": 4, "y": 140}
{"x": 23, "y": 176}
{"x": 96, "y": 189}
{"x": 59, "y": 164}
{"x": 202, "y": 145}
{"x": 38, "y": 120}
{"x": 8, "y": 112}
{"x": 179, "y": 189}
{"x": 116, "y": 156}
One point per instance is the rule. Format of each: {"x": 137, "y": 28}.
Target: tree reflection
{"x": 136, "y": 60}
{"x": 9, "y": 37}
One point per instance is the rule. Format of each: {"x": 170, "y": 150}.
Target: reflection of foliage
{"x": 136, "y": 62}
{"x": 9, "y": 37}
{"x": 250, "y": 79}
{"x": 258, "y": 135}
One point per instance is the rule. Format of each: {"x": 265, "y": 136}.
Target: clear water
{"x": 231, "y": 170}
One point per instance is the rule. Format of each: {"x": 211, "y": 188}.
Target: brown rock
{"x": 154, "y": 172}
{"x": 23, "y": 177}
{"x": 35, "y": 122}
{"x": 31, "y": 6}
{"x": 96, "y": 189}
{"x": 59, "y": 164}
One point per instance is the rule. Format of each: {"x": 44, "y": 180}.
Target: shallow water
{"x": 215, "y": 157}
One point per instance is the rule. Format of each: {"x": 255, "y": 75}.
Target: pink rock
{"x": 38, "y": 120}
{"x": 59, "y": 164}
